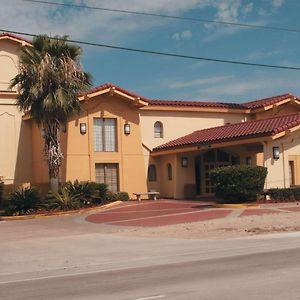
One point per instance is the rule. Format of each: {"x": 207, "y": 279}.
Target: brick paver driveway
{"x": 158, "y": 213}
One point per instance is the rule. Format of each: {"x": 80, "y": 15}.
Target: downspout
{"x": 283, "y": 165}
{"x": 89, "y": 144}
{"x": 265, "y": 161}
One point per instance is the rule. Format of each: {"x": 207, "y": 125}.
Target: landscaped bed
{"x": 72, "y": 196}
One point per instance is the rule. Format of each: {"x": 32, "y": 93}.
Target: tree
{"x": 49, "y": 80}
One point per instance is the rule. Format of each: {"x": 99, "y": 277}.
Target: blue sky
{"x": 174, "y": 78}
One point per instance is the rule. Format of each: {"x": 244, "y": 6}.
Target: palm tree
{"x": 49, "y": 80}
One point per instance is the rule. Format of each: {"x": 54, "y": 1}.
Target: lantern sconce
{"x": 126, "y": 129}
{"x": 83, "y": 128}
{"x": 184, "y": 162}
{"x": 276, "y": 152}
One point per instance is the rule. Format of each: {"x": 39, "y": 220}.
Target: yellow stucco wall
{"x": 15, "y": 150}
{"x": 80, "y": 157}
{"x": 278, "y": 170}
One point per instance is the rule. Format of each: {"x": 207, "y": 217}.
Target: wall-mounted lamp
{"x": 82, "y": 128}
{"x": 276, "y": 152}
{"x": 184, "y": 162}
{"x": 126, "y": 128}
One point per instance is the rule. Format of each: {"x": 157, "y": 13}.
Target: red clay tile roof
{"x": 155, "y": 102}
{"x": 267, "y": 101}
{"x": 14, "y": 36}
{"x": 195, "y": 104}
{"x": 250, "y": 129}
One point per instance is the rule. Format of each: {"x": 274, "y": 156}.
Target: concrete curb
{"x": 61, "y": 213}
{"x": 240, "y": 205}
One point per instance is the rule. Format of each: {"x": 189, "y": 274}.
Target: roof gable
{"x": 270, "y": 101}
{"x": 14, "y": 38}
{"x": 109, "y": 88}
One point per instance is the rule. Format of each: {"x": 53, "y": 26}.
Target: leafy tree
{"x": 49, "y": 80}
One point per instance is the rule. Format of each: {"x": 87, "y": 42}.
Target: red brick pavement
{"x": 158, "y": 213}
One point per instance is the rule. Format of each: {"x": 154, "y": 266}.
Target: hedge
{"x": 284, "y": 194}
{"x": 238, "y": 183}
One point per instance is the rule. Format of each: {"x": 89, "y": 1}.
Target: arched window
{"x": 169, "y": 171}
{"x": 158, "y": 129}
{"x": 152, "y": 173}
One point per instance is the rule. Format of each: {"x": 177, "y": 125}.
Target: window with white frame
{"x": 105, "y": 135}
{"x": 158, "y": 129}
{"x": 108, "y": 174}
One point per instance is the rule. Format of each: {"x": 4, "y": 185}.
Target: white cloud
{"x": 184, "y": 35}
{"x": 197, "y": 82}
{"x": 229, "y": 11}
{"x": 248, "y": 8}
{"x": 259, "y": 54}
{"x": 277, "y": 3}
{"x": 87, "y": 24}
{"x": 242, "y": 86}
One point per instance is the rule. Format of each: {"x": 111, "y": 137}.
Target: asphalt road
{"x": 64, "y": 258}
{"x": 273, "y": 275}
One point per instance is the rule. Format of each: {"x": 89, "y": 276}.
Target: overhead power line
{"x": 245, "y": 25}
{"x": 169, "y": 54}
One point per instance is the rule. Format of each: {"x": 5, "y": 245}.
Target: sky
{"x": 160, "y": 77}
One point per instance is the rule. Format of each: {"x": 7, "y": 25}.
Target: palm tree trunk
{"x": 52, "y": 152}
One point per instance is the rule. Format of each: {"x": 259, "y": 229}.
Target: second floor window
{"x": 158, "y": 129}
{"x": 105, "y": 135}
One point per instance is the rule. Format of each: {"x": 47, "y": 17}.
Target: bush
{"x": 3, "y": 199}
{"x": 239, "y": 183}
{"x": 63, "y": 200}
{"x": 23, "y": 201}
{"x": 85, "y": 191}
{"x": 111, "y": 197}
{"x": 123, "y": 196}
{"x": 284, "y": 194}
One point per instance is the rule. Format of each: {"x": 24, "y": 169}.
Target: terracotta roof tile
{"x": 255, "y": 128}
{"x": 195, "y": 104}
{"x": 177, "y": 103}
{"x": 267, "y": 101}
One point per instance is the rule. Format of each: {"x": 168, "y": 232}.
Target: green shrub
{"x": 23, "y": 201}
{"x": 284, "y": 194}
{"x": 100, "y": 192}
{"x": 102, "y": 189}
{"x": 123, "y": 196}
{"x": 239, "y": 183}
{"x": 63, "y": 200}
{"x": 85, "y": 191}
{"x": 3, "y": 199}
{"x": 111, "y": 197}
{"x": 296, "y": 192}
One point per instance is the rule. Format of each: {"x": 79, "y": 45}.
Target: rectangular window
{"x": 108, "y": 174}
{"x": 105, "y": 135}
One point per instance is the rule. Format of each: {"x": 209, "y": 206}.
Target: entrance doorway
{"x": 207, "y": 162}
